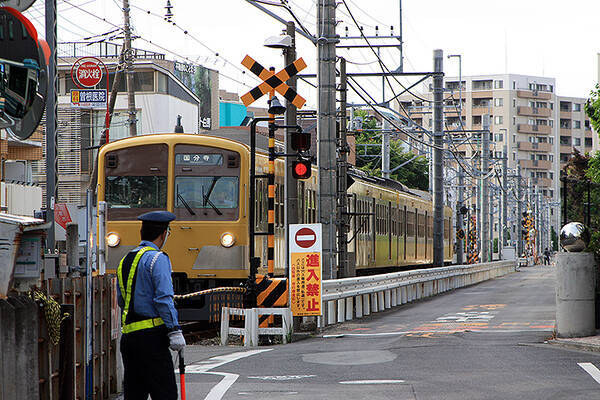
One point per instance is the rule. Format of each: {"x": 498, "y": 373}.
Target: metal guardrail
{"x": 351, "y": 298}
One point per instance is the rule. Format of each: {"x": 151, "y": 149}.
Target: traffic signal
{"x": 301, "y": 168}
{"x": 300, "y": 140}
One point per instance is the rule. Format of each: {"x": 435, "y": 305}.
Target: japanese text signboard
{"x": 88, "y": 98}
{"x": 305, "y": 246}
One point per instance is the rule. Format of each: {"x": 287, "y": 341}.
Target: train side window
{"x": 410, "y": 224}
{"x": 430, "y": 227}
{"x": 447, "y": 228}
{"x": 402, "y": 219}
{"x": 420, "y": 225}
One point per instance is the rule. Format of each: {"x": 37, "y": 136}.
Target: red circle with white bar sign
{"x": 305, "y": 238}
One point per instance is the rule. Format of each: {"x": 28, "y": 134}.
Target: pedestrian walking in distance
{"x": 546, "y": 257}
{"x": 148, "y": 315}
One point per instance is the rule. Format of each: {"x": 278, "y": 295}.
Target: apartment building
{"x": 525, "y": 115}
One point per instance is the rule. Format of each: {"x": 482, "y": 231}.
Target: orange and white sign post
{"x": 305, "y": 247}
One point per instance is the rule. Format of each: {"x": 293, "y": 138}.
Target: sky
{"x": 549, "y": 38}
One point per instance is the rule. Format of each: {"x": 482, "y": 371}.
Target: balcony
{"x": 481, "y": 110}
{"x": 566, "y": 148}
{"x": 528, "y": 94}
{"x": 565, "y": 131}
{"x": 535, "y": 129}
{"x": 565, "y": 114}
{"x": 533, "y": 112}
{"x": 541, "y": 147}
{"x": 536, "y": 164}
{"x": 545, "y": 182}
{"x": 482, "y": 94}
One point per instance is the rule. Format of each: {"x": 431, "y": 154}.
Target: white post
{"x": 359, "y": 306}
{"x": 349, "y": 308}
{"x": 331, "y": 312}
{"x": 374, "y": 302}
{"x": 366, "y": 304}
{"x": 394, "y": 297}
{"x": 224, "y": 326}
{"x": 387, "y": 299}
{"x": 380, "y": 301}
{"x": 287, "y": 325}
{"x": 341, "y": 310}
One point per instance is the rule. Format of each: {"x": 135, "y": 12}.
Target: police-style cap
{"x": 157, "y": 217}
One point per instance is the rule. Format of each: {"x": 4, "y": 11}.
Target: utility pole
{"x": 504, "y": 194}
{"x": 519, "y": 214}
{"x": 51, "y": 124}
{"x": 438, "y": 157}
{"x": 385, "y": 150}
{"x": 401, "y": 66}
{"x": 485, "y": 202}
{"x": 326, "y": 107}
{"x": 459, "y": 215}
{"x": 132, "y": 120}
{"x": 344, "y": 267}
{"x": 291, "y": 184}
{"x": 491, "y": 224}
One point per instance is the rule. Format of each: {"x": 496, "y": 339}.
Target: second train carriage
{"x": 204, "y": 180}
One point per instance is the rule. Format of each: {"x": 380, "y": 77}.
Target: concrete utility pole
{"x": 344, "y": 267}
{"x": 438, "y": 157}
{"x": 491, "y": 224}
{"x": 291, "y": 114}
{"x": 401, "y": 66}
{"x": 51, "y": 124}
{"x": 326, "y": 107}
{"x": 385, "y": 150}
{"x": 504, "y": 194}
{"x": 485, "y": 202}
{"x": 519, "y": 214}
{"x": 129, "y": 68}
{"x": 459, "y": 216}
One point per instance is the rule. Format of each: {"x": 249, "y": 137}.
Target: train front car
{"x": 198, "y": 178}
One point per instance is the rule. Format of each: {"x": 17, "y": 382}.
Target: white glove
{"x": 176, "y": 340}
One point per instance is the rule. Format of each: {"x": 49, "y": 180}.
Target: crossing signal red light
{"x": 301, "y": 169}
{"x": 300, "y": 140}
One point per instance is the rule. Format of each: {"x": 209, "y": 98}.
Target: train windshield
{"x": 139, "y": 192}
{"x": 199, "y": 197}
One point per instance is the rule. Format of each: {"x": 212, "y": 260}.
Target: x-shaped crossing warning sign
{"x": 272, "y": 81}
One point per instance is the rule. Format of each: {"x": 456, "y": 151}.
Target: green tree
{"x": 414, "y": 172}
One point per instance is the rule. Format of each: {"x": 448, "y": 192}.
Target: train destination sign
{"x": 305, "y": 269}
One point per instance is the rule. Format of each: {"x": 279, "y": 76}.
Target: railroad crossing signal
{"x": 301, "y": 168}
{"x": 273, "y": 81}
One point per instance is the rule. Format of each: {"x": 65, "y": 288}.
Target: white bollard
{"x": 359, "y": 306}
{"x": 374, "y": 302}
{"x": 366, "y": 304}
{"x": 380, "y": 301}
{"x": 224, "y": 325}
{"x": 394, "y": 297}
{"x": 403, "y": 295}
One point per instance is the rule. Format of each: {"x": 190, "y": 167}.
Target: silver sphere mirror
{"x": 574, "y": 237}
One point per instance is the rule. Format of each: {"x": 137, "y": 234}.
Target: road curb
{"x": 573, "y": 345}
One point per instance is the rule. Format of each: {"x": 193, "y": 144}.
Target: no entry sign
{"x": 305, "y": 246}
{"x": 305, "y": 238}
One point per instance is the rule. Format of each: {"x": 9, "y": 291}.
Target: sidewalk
{"x": 588, "y": 343}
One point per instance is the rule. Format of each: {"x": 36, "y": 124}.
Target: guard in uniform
{"x": 149, "y": 318}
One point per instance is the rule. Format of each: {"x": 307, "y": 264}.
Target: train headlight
{"x": 227, "y": 239}
{"x": 113, "y": 239}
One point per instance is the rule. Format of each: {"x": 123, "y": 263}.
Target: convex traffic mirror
{"x": 23, "y": 74}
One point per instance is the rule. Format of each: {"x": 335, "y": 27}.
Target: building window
{"x": 482, "y": 85}
{"x": 576, "y": 107}
{"x": 514, "y": 156}
{"x": 514, "y": 103}
{"x": 498, "y": 102}
{"x": 564, "y": 157}
{"x": 499, "y": 120}
{"x": 552, "y": 106}
{"x": 514, "y": 120}
{"x": 551, "y": 122}
{"x": 551, "y": 157}
{"x": 514, "y": 85}
{"x": 565, "y": 106}
{"x": 551, "y": 140}
{"x": 161, "y": 83}
{"x": 498, "y": 84}
{"x": 577, "y": 141}
{"x": 499, "y": 137}
{"x": 551, "y": 174}
{"x": 588, "y": 142}
{"x": 576, "y": 124}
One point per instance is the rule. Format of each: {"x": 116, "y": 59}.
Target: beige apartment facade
{"x": 538, "y": 128}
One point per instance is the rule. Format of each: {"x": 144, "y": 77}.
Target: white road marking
{"x": 219, "y": 390}
{"x": 281, "y": 377}
{"x": 254, "y": 393}
{"x": 202, "y": 367}
{"x": 305, "y": 238}
{"x": 592, "y": 370}
{"x": 373, "y": 382}
{"x": 468, "y": 329}
{"x": 214, "y": 362}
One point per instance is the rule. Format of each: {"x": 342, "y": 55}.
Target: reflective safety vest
{"x": 130, "y": 320}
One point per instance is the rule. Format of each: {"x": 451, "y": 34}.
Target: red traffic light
{"x": 301, "y": 169}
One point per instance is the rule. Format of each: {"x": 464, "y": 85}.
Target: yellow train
{"x": 204, "y": 180}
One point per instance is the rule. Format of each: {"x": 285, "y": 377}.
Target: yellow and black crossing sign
{"x": 272, "y": 81}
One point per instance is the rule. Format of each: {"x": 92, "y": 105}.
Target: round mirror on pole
{"x": 19, "y": 5}
{"x": 23, "y": 75}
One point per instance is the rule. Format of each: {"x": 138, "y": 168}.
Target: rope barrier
{"x": 208, "y": 291}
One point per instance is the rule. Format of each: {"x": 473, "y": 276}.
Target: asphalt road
{"x": 482, "y": 342}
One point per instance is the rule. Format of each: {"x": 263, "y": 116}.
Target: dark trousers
{"x": 148, "y": 365}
